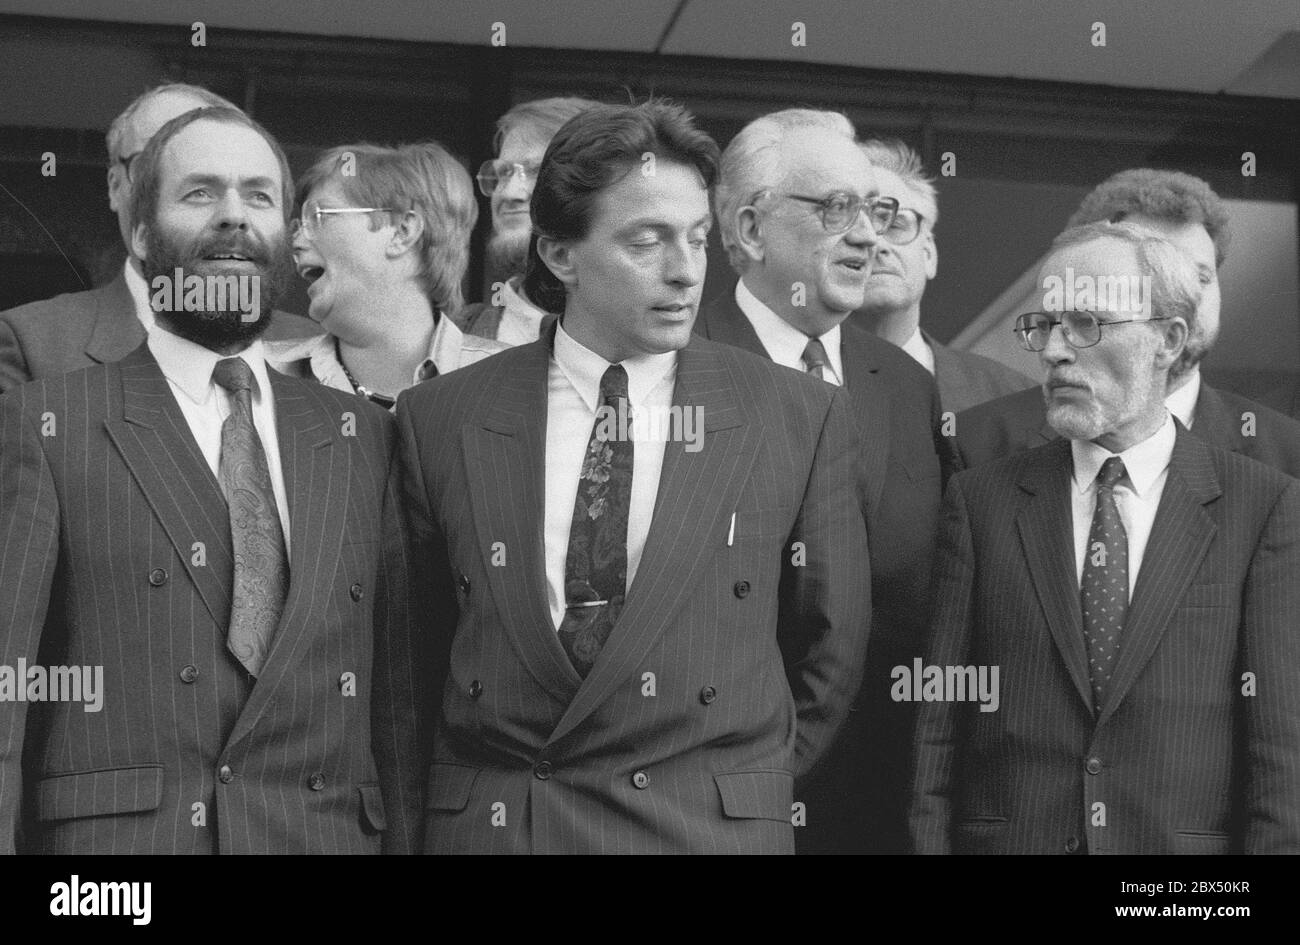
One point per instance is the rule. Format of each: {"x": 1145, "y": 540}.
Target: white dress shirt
{"x": 1182, "y": 402}
{"x": 920, "y": 351}
{"x": 784, "y": 343}
{"x": 188, "y": 369}
{"x": 140, "y": 294}
{"x": 521, "y": 320}
{"x": 1137, "y": 495}
{"x": 573, "y": 394}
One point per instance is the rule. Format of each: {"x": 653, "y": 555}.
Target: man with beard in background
{"x": 215, "y": 552}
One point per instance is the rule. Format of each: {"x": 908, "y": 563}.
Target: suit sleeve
{"x": 13, "y": 362}
{"x": 399, "y": 702}
{"x": 825, "y": 610}
{"x": 1271, "y": 651}
{"x": 935, "y": 746}
{"x": 29, "y": 548}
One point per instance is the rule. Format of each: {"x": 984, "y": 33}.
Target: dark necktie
{"x": 1104, "y": 590}
{"x": 595, "y": 569}
{"x": 261, "y": 565}
{"x": 814, "y": 358}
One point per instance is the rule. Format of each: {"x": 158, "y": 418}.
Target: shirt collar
{"x": 515, "y": 306}
{"x": 584, "y": 369}
{"x": 1182, "y": 402}
{"x": 1144, "y": 462}
{"x": 920, "y": 351}
{"x": 444, "y": 349}
{"x": 139, "y": 290}
{"x": 189, "y": 365}
{"x": 785, "y": 344}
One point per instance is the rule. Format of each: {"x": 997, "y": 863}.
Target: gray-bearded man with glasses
{"x": 907, "y": 258}
{"x": 78, "y": 329}
{"x": 1134, "y": 590}
{"x": 801, "y": 218}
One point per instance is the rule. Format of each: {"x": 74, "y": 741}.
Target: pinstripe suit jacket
{"x": 858, "y": 801}
{"x": 115, "y": 550}
{"x": 1183, "y": 760}
{"x": 734, "y": 659}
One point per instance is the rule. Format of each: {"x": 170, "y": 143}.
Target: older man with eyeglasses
{"x": 801, "y": 216}
{"x": 1130, "y": 588}
{"x": 907, "y": 258}
{"x": 78, "y": 329}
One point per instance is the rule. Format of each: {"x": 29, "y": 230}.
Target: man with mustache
{"x": 223, "y": 543}
{"x": 1134, "y": 587}
{"x": 78, "y": 329}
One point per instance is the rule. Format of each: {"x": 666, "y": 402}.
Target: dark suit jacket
{"x": 858, "y": 802}
{"x": 1182, "y": 759}
{"x": 1016, "y": 423}
{"x": 78, "y": 329}
{"x": 967, "y": 379}
{"x": 736, "y": 654}
{"x": 116, "y": 552}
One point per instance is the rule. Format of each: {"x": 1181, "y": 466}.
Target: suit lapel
{"x": 508, "y": 508}
{"x": 698, "y": 492}
{"x": 1180, "y": 538}
{"x": 870, "y": 395}
{"x": 724, "y": 322}
{"x": 155, "y": 441}
{"x": 117, "y": 330}
{"x": 317, "y": 482}
{"x": 1046, "y": 525}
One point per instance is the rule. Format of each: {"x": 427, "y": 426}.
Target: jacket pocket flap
{"x": 450, "y": 785}
{"x": 96, "y": 793}
{"x": 372, "y": 806}
{"x": 762, "y": 795}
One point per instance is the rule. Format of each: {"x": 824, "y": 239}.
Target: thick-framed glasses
{"x": 313, "y": 216}
{"x": 126, "y": 164}
{"x": 905, "y": 228}
{"x": 494, "y": 174}
{"x": 1082, "y": 329}
{"x": 839, "y": 211}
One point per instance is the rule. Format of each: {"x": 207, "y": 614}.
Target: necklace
{"x": 381, "y": 399}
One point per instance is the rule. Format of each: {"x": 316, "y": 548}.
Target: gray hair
{"x": 752, "y": 163}
{"x": 117, "y": 129}
{"x": 890, "y": 154}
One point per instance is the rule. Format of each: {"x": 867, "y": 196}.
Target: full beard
{"x": 231, "y": 329}
{"x": 1090, "y": 421}
{"x": 508, "y": 253}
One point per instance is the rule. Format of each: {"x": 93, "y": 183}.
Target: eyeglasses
{"x": 1081, "y": 329}
{"x": 905, "y": 228}
{"x": 494, "y": 174}
{"x": 313, "y": 216}
{"x": 839, "y": 211}
{"x": 126, "y": 163}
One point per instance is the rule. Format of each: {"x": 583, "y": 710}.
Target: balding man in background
{"x": 78, "y": 329}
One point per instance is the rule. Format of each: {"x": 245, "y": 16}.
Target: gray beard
{"x": 508, "y": 253}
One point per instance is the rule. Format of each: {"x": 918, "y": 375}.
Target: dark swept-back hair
{"x": 147, "y": 169}
{"x": 592, "y": 151}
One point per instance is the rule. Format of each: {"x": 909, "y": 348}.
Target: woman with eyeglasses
{"x": 383, "y": 242}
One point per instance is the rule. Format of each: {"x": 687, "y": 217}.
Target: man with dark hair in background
{"x": 221, "y": 545}
{"x": 906, "y": 259}
{"x": 661, "y": 621}
{"x": 1190, "y": 215}
{"x": 78, "y": 329}
{"x": 507, "y": 181}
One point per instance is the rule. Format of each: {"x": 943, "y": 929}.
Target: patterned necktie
{"x": 261, "y": 565}
{"x": 814, "y": 358}
{"x": 1104, "y": 590}
{"x": 595, "y": 569}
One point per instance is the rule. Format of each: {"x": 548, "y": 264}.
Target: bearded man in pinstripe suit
{"x": 1136, "y": 589}
{"x": 222, "y": 544}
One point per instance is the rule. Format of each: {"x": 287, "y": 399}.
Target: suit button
{"x": 225, "y": 775}
{"x": 1094, "y": 766}
{"x": 1072, "y": 845}
{"x": 741, "y": 588}
{"x": 708, "y": 694}
{"x": 640, "y": 780}
{"x": 189, "y": 674}
{"x": 356, "y": 592}
{"x": 463, "y": 583}
{"x": 543, "y": 770}
{"x": 316, "y": 782}
{"x": 475, "y": 689}
{"x": 157, "y": 577}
